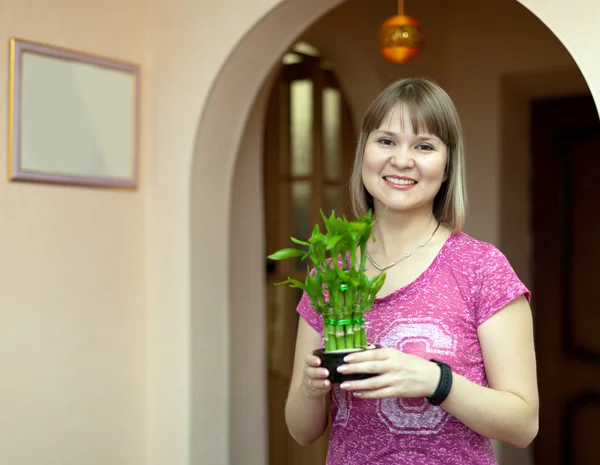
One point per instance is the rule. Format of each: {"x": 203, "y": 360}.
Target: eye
{"x": 425, "y": 147}
{"x": 386, "y": 141}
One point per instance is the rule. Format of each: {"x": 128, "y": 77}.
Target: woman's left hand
{"x": 398, "y": 374}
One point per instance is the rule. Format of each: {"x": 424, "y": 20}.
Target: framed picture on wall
{"x": 74, "y": 117}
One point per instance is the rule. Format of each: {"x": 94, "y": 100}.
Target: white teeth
{"x": 401, "y": 182}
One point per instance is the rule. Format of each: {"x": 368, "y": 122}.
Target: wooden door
{"x": 309, "y": 147}
{"x": 566, "y": 225}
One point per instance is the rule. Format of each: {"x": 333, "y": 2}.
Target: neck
{"x": 397, "y": 233}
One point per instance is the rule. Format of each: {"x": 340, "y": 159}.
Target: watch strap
{"x": 444, "y": 386}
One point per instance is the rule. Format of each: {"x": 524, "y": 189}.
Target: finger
{"x": 368, "y": 367}
{"x": 317, "y": 373}
{"x": 383, "y": 393}
{"x": 316, "y": 387}
{"x": 367, "y": 355}
{"x": 369, "y": 384}
{"x": 312, "y": 360}
{"x": 319, "y": 384}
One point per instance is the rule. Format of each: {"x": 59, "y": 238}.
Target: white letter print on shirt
{"x": 415, "y": 416}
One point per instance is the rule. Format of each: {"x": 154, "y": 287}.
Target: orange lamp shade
{"x": 400, "y": 39}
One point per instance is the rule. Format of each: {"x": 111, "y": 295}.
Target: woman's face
{"x": 403, "y": 171}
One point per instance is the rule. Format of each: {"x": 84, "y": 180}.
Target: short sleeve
{"x": 496, "y": 285}
{"x": 311, "y": 316}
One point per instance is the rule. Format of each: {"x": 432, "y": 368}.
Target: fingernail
{"x": 357, "y": 394}
{"x": 348, "y": 358}
{"x": 325, "y": 372}
{"x": 326, "y": 383}
{"x": 345, "y": 385}
{"x": 342, "y": 368}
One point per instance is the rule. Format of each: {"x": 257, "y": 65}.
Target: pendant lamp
{"x": 400, "y": 37}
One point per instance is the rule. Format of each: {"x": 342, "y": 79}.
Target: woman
{"x": 457, "y": 364}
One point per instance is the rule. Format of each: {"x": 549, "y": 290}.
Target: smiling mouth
{"x": 400, "y": 182}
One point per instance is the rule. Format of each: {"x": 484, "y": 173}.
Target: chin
{"x": 402, "y": 206}
{"x": 396, "y": 207}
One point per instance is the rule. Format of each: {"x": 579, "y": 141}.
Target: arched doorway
{"x": 271, "y": 37}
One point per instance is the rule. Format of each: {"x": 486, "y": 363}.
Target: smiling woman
{"x": 403, "y": 169}
{"x": 456, "y": 364}
{"x": 412, "y": 117}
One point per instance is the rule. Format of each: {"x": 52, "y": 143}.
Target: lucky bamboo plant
{"x": 337, "y": 285}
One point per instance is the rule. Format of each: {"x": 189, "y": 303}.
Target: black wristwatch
{"x": 444, "y": 386}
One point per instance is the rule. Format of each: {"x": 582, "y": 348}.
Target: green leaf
{"x": 357, "y": 225}
{"x": 295, "y": 283}
{"x": 299, "y": 242}
{"x": 377, "y": 283}
{"x": 331, "y": 243}
{"x": 341, "y": 274}
{"x": 326, "y": 220}
{"x": 284, "y": 254}
{"x": 315, "y": 282}
{"x": 318, "y": 238}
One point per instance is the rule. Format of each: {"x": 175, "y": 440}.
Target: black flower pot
{"x": 332, "y": 360}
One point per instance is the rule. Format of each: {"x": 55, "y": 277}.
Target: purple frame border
{"x": 17, "y": 48}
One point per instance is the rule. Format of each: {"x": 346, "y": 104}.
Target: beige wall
{"x": 117, "y": 310}
{"x": 72, "y": 284}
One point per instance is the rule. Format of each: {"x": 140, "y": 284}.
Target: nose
{"x": 402, "y": 158}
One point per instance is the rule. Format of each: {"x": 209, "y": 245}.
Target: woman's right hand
{"x": 306, "y": 405}
{"x": 315, "y": 383}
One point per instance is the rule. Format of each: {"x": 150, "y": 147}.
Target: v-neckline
{"x": 425, "y": 276}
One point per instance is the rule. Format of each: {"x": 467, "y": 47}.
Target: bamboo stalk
{"x": 350, "y": 336}
{"x": 357, "y": 336}
{"x": 340, "y": 340}
{"x": 330, "y": 342}
{"x": 363, "y": 335}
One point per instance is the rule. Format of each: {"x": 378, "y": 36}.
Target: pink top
{"x": 435, "y": 316}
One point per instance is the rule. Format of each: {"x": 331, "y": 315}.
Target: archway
{"x": 226, "y": 397}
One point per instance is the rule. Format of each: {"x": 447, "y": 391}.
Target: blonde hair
{"x": 432, "y": 111}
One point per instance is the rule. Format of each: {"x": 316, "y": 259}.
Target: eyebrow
{"x": 421, "y": 138}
